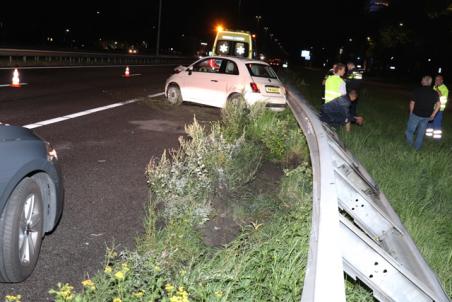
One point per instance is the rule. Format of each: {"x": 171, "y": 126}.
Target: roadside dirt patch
{"x": 160, "y": 126}
{"x": 234, "y": 211}
{"x": 179, "y": 111}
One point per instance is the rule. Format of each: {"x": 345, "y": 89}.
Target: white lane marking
{"x": 86, "y": 112}
{"x": 9, "y": 85}
{"x": 94, "y": 66}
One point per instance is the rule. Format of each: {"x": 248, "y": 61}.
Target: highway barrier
{"x": 354, "y": 227}
{"x": 30, "y": 57}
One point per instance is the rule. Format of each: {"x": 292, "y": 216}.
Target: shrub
{"x": 279, "y": 133}
{"x": 235, "y": 118}
{"x": 204, "y": 165}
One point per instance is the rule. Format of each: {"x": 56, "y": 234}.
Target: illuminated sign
{"x": 224, "y": 48}
{"x": 233, "y": 38}
{"x": 306, "y": 54}
{"x": 240, "y": 50}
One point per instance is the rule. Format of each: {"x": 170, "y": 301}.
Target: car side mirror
{"x": 190, "y": 70}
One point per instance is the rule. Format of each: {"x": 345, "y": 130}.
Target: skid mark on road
{"x": 86, "y": 112}
{"x": 164, "y": 126}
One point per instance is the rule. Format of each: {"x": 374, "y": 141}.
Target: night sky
{"x": 296, "y": 24}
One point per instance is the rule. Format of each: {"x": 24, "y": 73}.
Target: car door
{"x": 205, "y": 83}
{"x": 234, "y": 83}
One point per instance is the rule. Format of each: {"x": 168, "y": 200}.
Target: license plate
{"x": 272, "y": 89}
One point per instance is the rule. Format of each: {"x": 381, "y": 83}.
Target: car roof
{"x": 237, "y": 59}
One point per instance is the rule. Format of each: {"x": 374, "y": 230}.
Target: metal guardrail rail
{"x": 33, "y": 57}
{"x": 354, "y": 228}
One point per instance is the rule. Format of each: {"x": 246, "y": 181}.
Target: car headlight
{"x": 51, "y": 152}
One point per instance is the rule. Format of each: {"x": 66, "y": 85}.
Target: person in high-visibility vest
{"x": 334, "y": 84}
{"x": 434, "y": 128}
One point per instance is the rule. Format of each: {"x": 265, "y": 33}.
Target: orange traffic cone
{"x": 127, "y": 72}
{"x": 15, "y": 81}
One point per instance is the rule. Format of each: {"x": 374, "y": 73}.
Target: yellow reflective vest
{"x": 334, "y": 88}
{"x": 443, "y": 95}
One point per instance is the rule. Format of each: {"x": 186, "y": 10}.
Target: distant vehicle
{"x": 31, "y": 199}
{"x": 274, "y": 62}
{"x": 233, "y": 43}
{"x": 215, "y": 80}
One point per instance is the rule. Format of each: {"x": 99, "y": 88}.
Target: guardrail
{"x": 354, "y": 228}
{"x": 31, "y": 57}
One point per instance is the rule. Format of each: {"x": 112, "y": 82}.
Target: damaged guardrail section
{"x": 354, "y": 228}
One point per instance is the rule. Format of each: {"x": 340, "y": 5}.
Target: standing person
{"x": 434, "y": 127}
{"x": 337, "y": 112}
{"x": 334, "y": 84}
{"x": 353, "y": 81}
{"x": 329, "y": 73}
{"x": 424, "y": 105}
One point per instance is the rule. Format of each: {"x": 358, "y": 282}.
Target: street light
{"x": 157, "y": 44}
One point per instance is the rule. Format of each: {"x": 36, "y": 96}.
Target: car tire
{"x": 236, "y": 98}
{"x": 174, "y": 95}
{"x": 21, "y": 232}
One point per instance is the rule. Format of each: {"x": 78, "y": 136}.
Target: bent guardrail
{"x": 354, "y": 227}
{"x": 33, "y": 57}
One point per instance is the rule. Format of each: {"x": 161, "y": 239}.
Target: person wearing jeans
{"x": 424, "y": 105}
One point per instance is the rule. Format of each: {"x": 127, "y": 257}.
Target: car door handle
{"x": 216, "y": 81}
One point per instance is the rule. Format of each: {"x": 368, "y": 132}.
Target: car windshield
{"x": 261, "y": 70}
{"x": 232, "y": 48}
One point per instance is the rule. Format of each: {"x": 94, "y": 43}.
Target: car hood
{"x": 12, "y": 133}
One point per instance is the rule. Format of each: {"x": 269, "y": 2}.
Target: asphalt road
{"x": 103, "y": 156}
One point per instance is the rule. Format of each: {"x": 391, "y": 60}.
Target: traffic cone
{"x": 15, "y": 81}
{"x": 127, "y": 72}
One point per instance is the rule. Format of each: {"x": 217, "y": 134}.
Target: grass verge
{"x": 416, "y": 183}
{"x": 246, "y": 179}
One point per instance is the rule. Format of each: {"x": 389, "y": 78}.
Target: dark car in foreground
{"x": 31, "y": 199}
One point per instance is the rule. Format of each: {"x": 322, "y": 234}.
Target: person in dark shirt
{"x": 337, "y": 112}
{"x": 424, "y": 105}
{"x": 353, "y": 80}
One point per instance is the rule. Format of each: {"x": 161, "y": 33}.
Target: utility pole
{"x": 157, "y": 46}
{"x": 239, "y": 22}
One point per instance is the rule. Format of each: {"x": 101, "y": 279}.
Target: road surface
{"x": 103, "y": 156}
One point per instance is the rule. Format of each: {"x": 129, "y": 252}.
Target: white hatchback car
{"x": 216, "y": 80}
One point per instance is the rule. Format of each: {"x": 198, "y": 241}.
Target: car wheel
{"x": 236, "y": 98}
{"x": 174, "y": 95}
{"x": 21, "y": 232}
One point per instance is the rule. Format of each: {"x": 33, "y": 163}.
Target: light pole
{"x": 258, "y": 19}
{"x": 157, "y": 45}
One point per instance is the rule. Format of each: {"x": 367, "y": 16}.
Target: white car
{"x": 213, "y": 81}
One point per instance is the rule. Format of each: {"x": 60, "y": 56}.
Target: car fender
{"x": 28, "y": 169}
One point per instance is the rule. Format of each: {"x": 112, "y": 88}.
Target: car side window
{"x": 231, "y": 68}
{"x": 211, "y": 65}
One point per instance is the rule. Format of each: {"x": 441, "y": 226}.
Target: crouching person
{"x": 337, "y": 112}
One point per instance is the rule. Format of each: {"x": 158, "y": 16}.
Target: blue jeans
{"x": 419, "y": 123}
{"x": 437, "y": 121}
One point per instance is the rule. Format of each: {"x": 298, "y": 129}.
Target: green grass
{"x": 418, "y": 184}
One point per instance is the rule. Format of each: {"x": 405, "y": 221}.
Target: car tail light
{"x": 254, "y": 87}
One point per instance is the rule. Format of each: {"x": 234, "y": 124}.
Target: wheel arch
{"x": 171, "y": 84}
{"x": 50, "y": 194}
